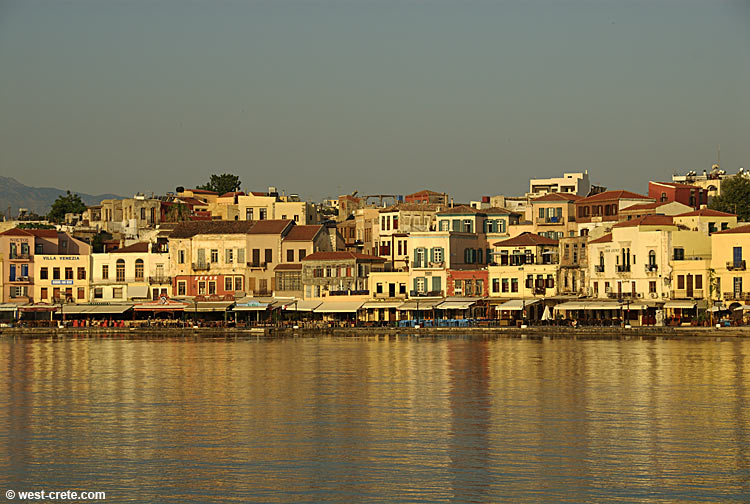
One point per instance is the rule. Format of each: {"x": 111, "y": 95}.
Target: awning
{"x": 210, "y": 306}
{"x": 10, "y": 307}
{"x": 161, "y": 306}
{"x": 91, "y": 309}
{"x": 516, "y": 304}
{"x": 456, "y": 304}
{"x": 138, "y": 291}
{"x": 306, "y": 306}
{"x": 369, "y": 305}
{"x": 588, "y": 305}
{"x": 681, "y": 304}
{"x": 339, "y": 307}
{"x": 249, "y": 304}
{"x": 421, "y": 304}
{"x": 39, "y": 308}
{"x": 743, "y": 308}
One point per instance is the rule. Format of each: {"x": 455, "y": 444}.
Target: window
{"x": 248, "y": 214}
{"x": 120, "y": 270}
{"x": 479, "y": 287}
{"x": 201, "y": 288}
{"x": 43, "y": 293}
{"x": 98, "y": 293}
{"x": 679, "y": 254}
{"x": 181, "y": 288}
{"x": 214, "y": 256}
{"x": 56, "y": 292}
{"x": 495, "y": 285}
{"x": 269, "y": 256}
{"x": 211, "y": 287}
{"x": 228, "y": 283}
{"x": 139, "y": 270}
{"x": 143, "y": 214}
{"x": 438, "y": 254}
{"x": 402, "y": 288}
{"x": 301, "y": 253}
{"x": 290, "y": 256}
{"x": 262, "y": 213}
{"x": 81, "y": 293}
{"x": 680, "y": 281}
{"x": 238, "y": 280}
{"x": 229, "y": 256}
{"x": 420, "y": 284}
{"x": 444, "y": 225}
{"x": 81, "y": 273}
{"x": 105, "y": 271}
{"x": 698, "y": 281}
{"x": 117, "y": 292}
{"x": 505, "y": 285}
{"x": 68, "y": 273}
{"x": 241, "y": 256}
{"x": 43, "y": 274}
{"x": 55, "y": 273}
{"x": 596, "y": 288}
{"x": 514, "y": 284}
{"x": 458, "y": 286}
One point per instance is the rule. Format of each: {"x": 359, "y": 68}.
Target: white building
{"x": 572, "y": 183}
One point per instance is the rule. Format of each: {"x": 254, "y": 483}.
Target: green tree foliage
{"x": 68, "y": 203}
{"x": 734, "y": 198}
{"x": 222, "y": 183}
{"x": 35, "y": 225}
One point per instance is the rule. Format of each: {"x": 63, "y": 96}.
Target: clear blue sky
{"x": 325, "y": 97}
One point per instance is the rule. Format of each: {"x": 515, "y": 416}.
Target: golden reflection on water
{"x": 377, "y": 419}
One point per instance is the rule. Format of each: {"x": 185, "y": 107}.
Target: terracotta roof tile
{"x": 134, "y": 248}
{"x": 706, "y": 212}
{"x": 676, "y": 185}
{"x": 192, "y": 228}
{"x": 603, "y": 239}
{"x": 642, "y": 206}
{"x": 613, "y": 195}
{"x": 426, "y": 207}
{"x": 526, "y": 239}
{"x": 647, "y": 220}
{"x": 459, "y": 210}
{"x": 557, "y": 197}
{"x": 303, "y": 233}
{"x": 288, "y": 267}
{"x": 276, "y": 226}
{"x": 736, "y": 230}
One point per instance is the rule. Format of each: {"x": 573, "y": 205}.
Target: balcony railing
{"x": 24, "y": 279}
{"x": 599, "y": 268}
{"x": 426, "y": 294}
{"x": 201, "y": 266}
{"x": 623, "y": 268}
{"x": 19, "y": 257}
{"x": 683, "y": 294}
{"x": 253, "y": 264}
{"x": 550, "y": 220}
{"x": 651, "y": 268}
{"x": 736, "y": 265}
{"x": 737, "y": 296}
{"x": 159, "y": 280}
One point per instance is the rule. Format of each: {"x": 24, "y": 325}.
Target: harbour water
{"x": 376, "y": 419}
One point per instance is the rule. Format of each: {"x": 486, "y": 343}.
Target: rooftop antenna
{"x": 718, "y": 156}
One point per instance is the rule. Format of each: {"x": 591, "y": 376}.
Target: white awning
{"x": 421, "y": 304}
{"x": 369, "y": 305}
{"x": 588, "y": 305}
{"x": 339, "y": 307}
{"x": 138, "y": 291}
{"x": 306, "y": 306}
{"x": 10, "y": 307}
{"x": 681, "y": 304}
{"x": 516, "y": 304}
{"x": 743, "y": 308}
{"x": 456, "y": 304}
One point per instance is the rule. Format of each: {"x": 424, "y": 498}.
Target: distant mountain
{"x": 37, "y": 199}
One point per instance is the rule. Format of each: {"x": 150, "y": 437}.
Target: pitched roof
{"x": 738, "y": 230}
{"x": 202, "y": 191}
{"x": 643, "y": 206}
{"x": 288, "y": 267}
{"x": 425, "y": 192}
{"x": 16, "y": 232}
{"x": 498, "y": 211}
{"x": 603, "y": 239}
{"x": 341, "y": 255}
{"x": 612, "y": 195}
{"x": 276, "y": 226}
{"x": 526, "y": 239}
{"x": 232, "y": 194}
{"x": 459, "y": 210}
{"x": 556, "y": 196}
{"x": 303, "y": 233}
{"x": 647, "y": 220}
{"x": 192, "y": 228}
{"x": 706, "y": 212}
{"x": 136, "y": 247}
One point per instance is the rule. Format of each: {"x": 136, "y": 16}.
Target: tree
{"x": 734, "y": 198}
{"x": 222, "y": 183}
{"x": 64, "y": 204}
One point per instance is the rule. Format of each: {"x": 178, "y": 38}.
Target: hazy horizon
{"x": 325, "y": 97}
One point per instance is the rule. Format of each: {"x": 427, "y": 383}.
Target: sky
{"x": 324, "y": 97}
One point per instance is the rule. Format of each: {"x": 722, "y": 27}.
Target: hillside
{"x": 36, "y": 199}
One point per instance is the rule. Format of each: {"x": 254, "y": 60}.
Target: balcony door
{"x": 737, "y": 287}
{"x": 689, "y": 285}
{"x": 737, "y": 256}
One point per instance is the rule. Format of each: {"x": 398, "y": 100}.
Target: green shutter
{"x": 432, "y": 254}
{"x": 415, "y": 286}
{"x": 436, "y": 285}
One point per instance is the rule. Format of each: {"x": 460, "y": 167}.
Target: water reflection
{"x": 377, "y": 419}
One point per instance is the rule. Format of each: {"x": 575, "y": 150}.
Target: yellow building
{"x": 729, "y": 253}
{"x": 61, "y": 278}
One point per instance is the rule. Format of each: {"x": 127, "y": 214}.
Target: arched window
{"x": 120, "y": 270}
{"x": 601, "y": 261}
{"x": 651, "y": 258}
{"x": 139, "y": 269}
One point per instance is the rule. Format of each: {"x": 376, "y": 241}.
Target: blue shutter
{"x": 12, "y": 272}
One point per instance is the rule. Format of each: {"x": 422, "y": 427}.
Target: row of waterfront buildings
{"x": 565, "y": 250}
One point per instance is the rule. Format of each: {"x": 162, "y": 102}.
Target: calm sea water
{"x": 377, "y": 420}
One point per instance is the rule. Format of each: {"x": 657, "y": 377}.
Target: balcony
{"x": 550, "y": 221}
{"x": 436, "y": 264}
{"x": 159, "y": 280}
{"x": 684, "y": 294}
{"x": 19, "y": 257}
{"x": 539, "y": 291}
{"x": 599, "y": 268}
{"x": 20, "y": 279}
{"x": 651, "y": 268}
{"x": 258, "y": 265}
{"x": 737, "y": 296}
{"x": 736, "y": 265}
{"x": 623, "y": 268}
{"x": 415, "y": 294}
{"x": 201, "y": 266}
